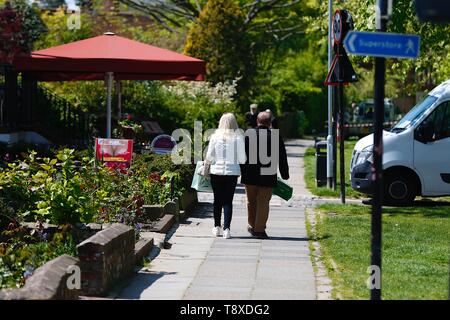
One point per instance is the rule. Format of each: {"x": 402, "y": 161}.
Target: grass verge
{"x": 415, "y": 250}
{"x": 310, "y": 174}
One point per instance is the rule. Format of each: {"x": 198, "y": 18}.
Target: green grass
{"x": 310, "y": 174}
{"x": 415, "y": 256}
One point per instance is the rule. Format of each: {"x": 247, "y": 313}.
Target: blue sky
{"x": 71, "y": 3}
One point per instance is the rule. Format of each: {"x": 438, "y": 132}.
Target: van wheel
{"x": 400, "y": 188}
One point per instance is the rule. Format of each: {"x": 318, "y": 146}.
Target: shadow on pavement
{"x": 300, "y": 145}
{"x": 295, "y": 155}
{"x": 140, "y": 282}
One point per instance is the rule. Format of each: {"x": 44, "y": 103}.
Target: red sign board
{"x": 114, "y": 153}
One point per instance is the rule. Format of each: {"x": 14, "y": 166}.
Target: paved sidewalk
{"x": 200, "y": 266}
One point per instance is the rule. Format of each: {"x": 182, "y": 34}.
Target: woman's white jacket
{"x": 225, "y": 153}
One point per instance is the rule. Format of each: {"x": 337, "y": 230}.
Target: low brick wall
{"x": 142, "y": 249}
{"x": 106, "y": 258}
{"x": 49, "y": 282}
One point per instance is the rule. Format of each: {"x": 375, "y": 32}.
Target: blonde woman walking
{"x": 226, "y": 151}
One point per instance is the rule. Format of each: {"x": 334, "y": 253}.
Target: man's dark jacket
{"x": 251, "y": 173}
{"x": 251, "y": 119}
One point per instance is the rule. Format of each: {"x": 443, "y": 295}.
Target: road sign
{"x": 342, "y": 24}
{"x": 382, "y": 44}
{"x": 341, "y": 71}
{"x": 337, "y": 27}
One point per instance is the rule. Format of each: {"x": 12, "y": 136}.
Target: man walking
{"x": 265, "y": 152}
{"x": 273, "y": 120}
{"x": 251, "y": 116}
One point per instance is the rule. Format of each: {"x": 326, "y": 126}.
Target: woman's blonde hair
{"x": 228, "y": 126}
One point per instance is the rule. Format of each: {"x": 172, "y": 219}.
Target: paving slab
{"x": 199, "y": 266}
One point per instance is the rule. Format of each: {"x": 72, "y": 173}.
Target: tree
{"x": 411, "y": 76}
{"x": 168, "y": 13}
{"x": 20, "y": 27}
{"x": 218, "y": 38}
{"x": 51, "y": 4}
{"x": 176, "y": 12}
{"x": 296, "y": 84}
{"x": 270, "y": 28}
{"x": 269, "y": 23}
{"x": 56, "y": 21}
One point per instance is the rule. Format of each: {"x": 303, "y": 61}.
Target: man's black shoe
{"x": 250, "y": 230}
{"x": 261, "y": 235}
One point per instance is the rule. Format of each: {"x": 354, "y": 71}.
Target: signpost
{"x": 380, "y": 45}
{"x": 341, "y": 72}
{"x": 330, "y": 138}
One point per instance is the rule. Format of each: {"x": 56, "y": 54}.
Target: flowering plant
{"x": 219, "y": 93}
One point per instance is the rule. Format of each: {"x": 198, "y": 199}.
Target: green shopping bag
{"x": 283, "y": 190}
{"x": 199, "y": 182}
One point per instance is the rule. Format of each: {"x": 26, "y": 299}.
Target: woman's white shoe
{"x": 227, "y": 234}
{"x": 216, "y": 231}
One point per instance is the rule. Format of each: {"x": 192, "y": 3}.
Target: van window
{"x": 411, "y": 118}
{"x": 439, "y": 122}
{"x": 445, "y": 133}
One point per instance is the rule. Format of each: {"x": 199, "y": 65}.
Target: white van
{"x": 416, "y": 157}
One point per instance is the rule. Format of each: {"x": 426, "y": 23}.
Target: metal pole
{"x": 335, "y": 116}
{"x": 119, "y": 99}
{"x": 330, "y": 102}
{"x": 109, "y": 84}
{"x": 341, "y": 145}
{"x": 380, "y": 70}
{"x": 340, "y": 97}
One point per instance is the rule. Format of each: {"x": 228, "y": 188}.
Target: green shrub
{"x": 72, "y": 188}
{"x": 52, "y": 190}
{"x": 303, "y": 123}
{"x": 147, "y": 164}
{"x": 22, "y": 255}
{"x": 7, "y": 215}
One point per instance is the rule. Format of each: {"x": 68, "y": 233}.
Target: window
{"x": 416, "y": 113}
{"x": 446, "y": 123}
{"x": 437, "y": 124}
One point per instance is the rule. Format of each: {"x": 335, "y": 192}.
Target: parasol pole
{"x": 109, "y": 84}
{"x": 119, "y": 99}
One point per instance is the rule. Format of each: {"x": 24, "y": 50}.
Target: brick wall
{"x": 106, "y": 258}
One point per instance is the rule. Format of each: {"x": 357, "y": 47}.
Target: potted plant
{"x": 128, "y": 128}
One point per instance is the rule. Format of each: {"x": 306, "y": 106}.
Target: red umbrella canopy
{"x": 90, "y": 59}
